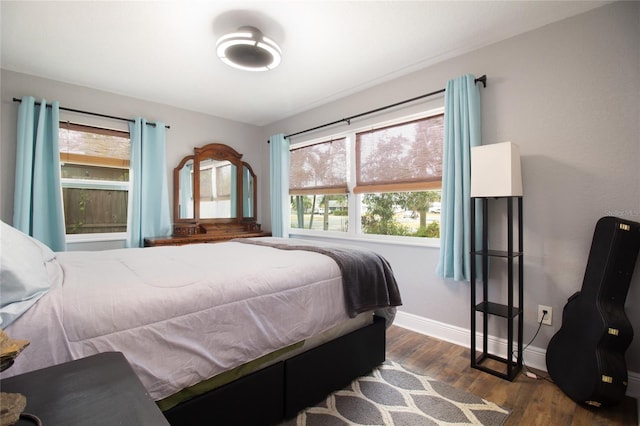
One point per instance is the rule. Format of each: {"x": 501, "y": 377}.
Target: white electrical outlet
{"x": 548, "y": 317}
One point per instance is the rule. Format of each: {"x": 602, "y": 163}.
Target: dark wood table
{"x": 98, "y": 390}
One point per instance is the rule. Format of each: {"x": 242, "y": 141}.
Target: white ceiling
{"x": 165, "y": 51}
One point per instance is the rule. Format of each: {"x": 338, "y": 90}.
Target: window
{"x": 318, "y": 186}
{"x": 406, "y": 156}
{"x": 387, "y": 181}
{"x": 95, "y": 178}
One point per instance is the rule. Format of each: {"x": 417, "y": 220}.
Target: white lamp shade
{"x": 495, "y": 170}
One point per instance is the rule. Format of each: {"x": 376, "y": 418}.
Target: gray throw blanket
{"x": 367, "y": 278}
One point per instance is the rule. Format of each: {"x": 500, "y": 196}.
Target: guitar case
{"x": 586, "y": 357}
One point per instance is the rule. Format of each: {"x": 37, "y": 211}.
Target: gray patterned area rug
{"x": 391, "y": 395}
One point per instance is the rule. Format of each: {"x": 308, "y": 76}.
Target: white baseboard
{"x": 534, "y": 357}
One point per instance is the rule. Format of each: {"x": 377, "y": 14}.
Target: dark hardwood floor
{"x": 531, "y": 401}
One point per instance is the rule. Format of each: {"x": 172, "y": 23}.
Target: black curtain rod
{"x": 94, "y": 114}
{"x": 482, "y": 79}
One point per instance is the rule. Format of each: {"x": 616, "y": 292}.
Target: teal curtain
{"x": 148, "y": 214}
{"x": 38, "y": 209}
{"x": 462, "y": 130}
{"x": 279, "y": 184}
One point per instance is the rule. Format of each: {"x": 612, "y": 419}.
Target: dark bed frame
{"x": 280, "y": 391}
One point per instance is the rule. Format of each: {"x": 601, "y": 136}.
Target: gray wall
{"x": 567, "y": 94}
{"x": 188, "y": 129}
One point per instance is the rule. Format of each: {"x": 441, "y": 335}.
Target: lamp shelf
{"x": 487, "y": 356}
{"x": 480, "y": 289}
{"x": 498, "y": 309}
{"x": 497, "y": 253}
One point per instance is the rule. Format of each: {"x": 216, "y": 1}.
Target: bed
{"x": 210, "y": 329}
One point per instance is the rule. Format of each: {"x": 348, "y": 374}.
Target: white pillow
{"x": 23, "y": 273}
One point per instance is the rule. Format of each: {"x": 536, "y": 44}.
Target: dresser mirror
{"x": 218, "y": 189}
{"x": 183, "y": 190}
{"x": 249, "y": 190}
{"x": 214, "y": 191}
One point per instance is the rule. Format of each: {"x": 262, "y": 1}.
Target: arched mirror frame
{"x": 176, "y": 192}
{"x": 198, "y": 225}
{"x": 253, "y": 189}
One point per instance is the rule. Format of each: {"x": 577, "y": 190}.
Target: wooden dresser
{"x": 214, "y": 198}
{"x": 200, "y": 238}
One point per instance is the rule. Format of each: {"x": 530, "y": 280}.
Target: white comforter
{"x": 179, "y": 314}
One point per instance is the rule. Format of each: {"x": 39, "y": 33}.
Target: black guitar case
{"x": 586, "y": 357}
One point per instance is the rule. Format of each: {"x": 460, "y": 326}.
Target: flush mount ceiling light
{"x": 248, "y": 49}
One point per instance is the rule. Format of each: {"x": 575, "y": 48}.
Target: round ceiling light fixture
{"x": 248, "y": 49}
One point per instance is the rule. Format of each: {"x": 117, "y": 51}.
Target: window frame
{"x": 94, "y": 184}
{"x": 354, "y": 231}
